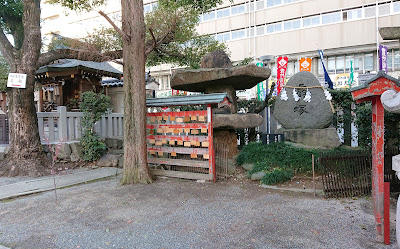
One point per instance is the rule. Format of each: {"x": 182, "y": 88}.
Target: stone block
{"x": 114, "y": 143}
{"x": 121, "y": 162}
{"x": 108, "y": 160}
{"x": 76, "y": 150}
{"x": 248, "y": 166}
{"x": 64, "y": 151}
{"x": 257, "y": 176}
{"x": 231, "y": 167}
{"x": 316, "y": 138}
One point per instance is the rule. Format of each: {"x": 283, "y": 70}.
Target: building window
{"x": 320, "y": 67}
{"x": 331, "y": 64}
{"x": 238, "y": 9}
{"x": 237, "y": 34}
{"x": 369, "y": 11}
{"x": 384, "y": 9}
{"x": 208, "y": 16}
{"x": 352, "y": 15}
{"x": 290, "y": 25}
{"x": 340, "y": 64}
{"x": 368, "y": 62}
{"x": 349, "y": 58}
{"x": 358, "y": 62}
{"x": 260, "y": 30}
{"x": 271, "y": 3}
{"x": 290, "y": 1}
{"x": 147, "y": 8}
{"x": 250, "y": 32}
{"x": 311, "y": 21}
{"x": 260, "y": 5}
{"x": 290, "y": 68}
{"x": 390, "y": 60}
{"x": 396, "y": 56}
{"x": 223, "y": 13}
{"x": 331, "y": 18}
{"x": 396, "y": 7}
{"x": 276, "y": 27}
{"x": 224, "y": 36}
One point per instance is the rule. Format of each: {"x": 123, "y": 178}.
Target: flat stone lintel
{"x": 236, "y": 121}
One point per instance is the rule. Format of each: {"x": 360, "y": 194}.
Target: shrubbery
{"x": 281, "y": 160}
{"x": 93, "y": 106}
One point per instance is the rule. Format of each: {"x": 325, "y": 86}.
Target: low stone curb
{"x": 317, "y": 191}
{"x": 46, "y": 183}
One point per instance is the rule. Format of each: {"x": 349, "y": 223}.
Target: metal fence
{"x": 221, "y": 161}
{"x": 345, "y": 174}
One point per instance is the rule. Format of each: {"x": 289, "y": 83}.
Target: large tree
{"x": 167, "y": 29}
{"x": 21, "y": 19}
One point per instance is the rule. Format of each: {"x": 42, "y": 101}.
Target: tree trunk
{"x": 135, "y": 149}
{"x": 26, "y": 156}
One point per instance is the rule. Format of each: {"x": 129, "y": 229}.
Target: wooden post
{"x": 386, "y": 218}
{"x": 377, "y": 165}
{"x": 313, "y": 172}
{"x": 211, "y": 143}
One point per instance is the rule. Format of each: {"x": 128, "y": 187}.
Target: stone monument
{"x": 217, "y": 75}
{"x": 304, "y": 111}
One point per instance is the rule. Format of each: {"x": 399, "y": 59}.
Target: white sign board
{"x": 16, "y": 80}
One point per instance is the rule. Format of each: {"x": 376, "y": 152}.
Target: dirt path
{"x": 175, "y": 213}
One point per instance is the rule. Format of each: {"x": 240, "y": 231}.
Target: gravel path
{"x": 175, "y": 213}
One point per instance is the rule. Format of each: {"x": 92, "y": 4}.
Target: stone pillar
{"x": 62, "y": 124}
{"x": 229, "y": 90}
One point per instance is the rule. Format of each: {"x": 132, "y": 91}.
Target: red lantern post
{"x": 372, "y": 90}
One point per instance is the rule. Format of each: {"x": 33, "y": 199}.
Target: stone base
{"x": 317, "y": 138}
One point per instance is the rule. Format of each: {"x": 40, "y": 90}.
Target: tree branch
{"x": 149, "y": 49}
{"x": 53, "y": 55}
{"x": 265, "y": 104}
{"x": 6, "y": 49}
{"x": 122, "y": 33}
{"x": 171, "y": 53}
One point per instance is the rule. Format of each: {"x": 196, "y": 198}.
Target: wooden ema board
{"x": 179, "y": 144}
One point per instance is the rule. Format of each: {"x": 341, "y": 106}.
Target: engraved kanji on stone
{"x": 300, "y": 109}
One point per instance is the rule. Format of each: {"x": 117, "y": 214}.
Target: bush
{"x": 92, "y": 147}
{"x": 277, "y": 175}
{"x": 93, "y": 106}
{"x": 279, "y": 155}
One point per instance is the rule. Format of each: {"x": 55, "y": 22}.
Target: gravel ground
{"x": 174, "y": 213}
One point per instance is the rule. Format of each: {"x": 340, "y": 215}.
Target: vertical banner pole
{"x": 211, "y": 144}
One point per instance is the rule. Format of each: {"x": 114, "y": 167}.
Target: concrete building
{"x": 345, "y": 30}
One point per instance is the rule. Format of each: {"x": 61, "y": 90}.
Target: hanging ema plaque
{"x": 303, "y": 103}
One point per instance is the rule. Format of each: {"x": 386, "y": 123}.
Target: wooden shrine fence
{"x": 180, "y": 144}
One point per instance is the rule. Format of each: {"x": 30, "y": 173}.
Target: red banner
{"x": 281, "y": 72}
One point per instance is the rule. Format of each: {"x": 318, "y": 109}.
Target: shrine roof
{"x": 372, "y": 79}
{"x": 201, "y": 99}
{"x": 101, "y": 68}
